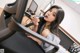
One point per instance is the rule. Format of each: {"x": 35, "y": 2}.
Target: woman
{"x": 48, "y": 27}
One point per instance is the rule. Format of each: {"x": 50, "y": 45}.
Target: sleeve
{"x": 47, "y": 47}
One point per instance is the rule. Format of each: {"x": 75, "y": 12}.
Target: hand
{"x": 35, "y": 20}
{"x": 35, "y": 39}
{"x": 45, "y": 32}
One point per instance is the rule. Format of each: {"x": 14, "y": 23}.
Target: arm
{"x": 35, "y": 28}
{"x": 35, "y": 21}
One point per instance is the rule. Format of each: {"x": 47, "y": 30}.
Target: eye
{"x": 54, "y": 15}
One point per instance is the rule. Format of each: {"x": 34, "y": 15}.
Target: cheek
{"x": 51, "y": 19}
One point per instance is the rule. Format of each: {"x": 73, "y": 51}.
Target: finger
{"x": 36, "y": 39}
{"x": 32, "y": 16}
{"x": 33, "y": 38}
{"x": 37, "y": 19}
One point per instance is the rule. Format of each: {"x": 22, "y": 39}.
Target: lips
{"x": 46, "y": 16}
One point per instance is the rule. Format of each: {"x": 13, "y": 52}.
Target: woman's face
{"x": 50, "y": 15}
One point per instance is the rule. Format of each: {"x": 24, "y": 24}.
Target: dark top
{"x": 41, "y": 23}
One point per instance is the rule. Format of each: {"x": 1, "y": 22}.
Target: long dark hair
{"x": 59, "y": 17}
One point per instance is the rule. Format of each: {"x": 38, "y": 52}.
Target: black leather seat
{"x": 19, "y": 43}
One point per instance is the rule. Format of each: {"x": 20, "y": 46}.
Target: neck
{"x": 47, "y": 25}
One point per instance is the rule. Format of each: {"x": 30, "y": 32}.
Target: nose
{"x": 47, "y": 13}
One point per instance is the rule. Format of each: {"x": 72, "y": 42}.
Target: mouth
{"x": 46, "y": 16}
